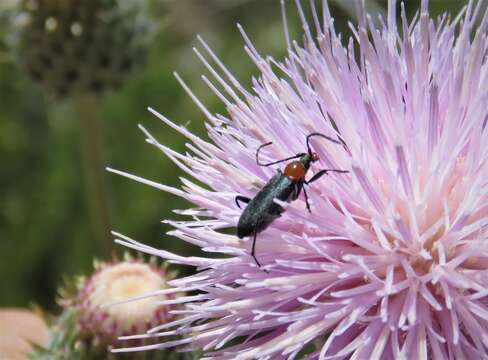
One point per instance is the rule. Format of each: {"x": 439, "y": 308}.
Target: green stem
{"x": 91, "y": 147}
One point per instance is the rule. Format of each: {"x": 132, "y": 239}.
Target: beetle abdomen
{"x": 262, "y": 210}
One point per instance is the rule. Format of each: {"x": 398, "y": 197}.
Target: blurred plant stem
{"x": 94, "y": 166}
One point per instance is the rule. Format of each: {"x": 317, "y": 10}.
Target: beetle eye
{"x": 315, "y": 156}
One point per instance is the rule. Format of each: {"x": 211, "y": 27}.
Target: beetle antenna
{"x": 274, "y": 162}
{"x": 321, "y": 135}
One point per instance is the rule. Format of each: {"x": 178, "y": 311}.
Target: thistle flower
{"x": 112, "y": 283}
{"x": 392, "y": 262}
{"x": 86, "y": 327}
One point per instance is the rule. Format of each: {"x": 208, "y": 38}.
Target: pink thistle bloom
{"x": 112, "y": 283}
{"x": 392, "y": 262}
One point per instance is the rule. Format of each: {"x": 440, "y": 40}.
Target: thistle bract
{"x": 392, "y": 262}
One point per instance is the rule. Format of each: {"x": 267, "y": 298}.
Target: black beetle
{"x": 262, "y": 210}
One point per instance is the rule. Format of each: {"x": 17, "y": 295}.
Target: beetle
{"x": 262, "y": 209}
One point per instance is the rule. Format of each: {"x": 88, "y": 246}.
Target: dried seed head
{"x": 74, "y": 46}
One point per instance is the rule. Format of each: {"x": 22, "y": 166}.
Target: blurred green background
{"x": 48, "y": 224}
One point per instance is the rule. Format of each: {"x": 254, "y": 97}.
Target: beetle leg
{"x": 306, "y": 199}
{"x": 297, "y": 190}
{"x": 319, "y": 174}
{"x": 253, "y": 249}
{"x": 241, "y": 198}
{"x": 316, "y": 176}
